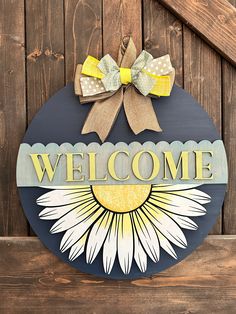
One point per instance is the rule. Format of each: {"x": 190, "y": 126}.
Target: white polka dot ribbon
{"x": 91, "y": 86}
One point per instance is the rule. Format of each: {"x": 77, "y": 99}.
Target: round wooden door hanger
{"x": 131, "y": 206}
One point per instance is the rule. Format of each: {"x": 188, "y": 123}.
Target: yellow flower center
{"x": 121, "y": 198}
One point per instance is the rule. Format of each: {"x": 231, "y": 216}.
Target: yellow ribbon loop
{"x": 125, "y": 76}
{"x": 162, "y": 86}
{"x": 90, "y": 68}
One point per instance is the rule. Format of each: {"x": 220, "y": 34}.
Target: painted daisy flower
{"x": 131, "y": 222}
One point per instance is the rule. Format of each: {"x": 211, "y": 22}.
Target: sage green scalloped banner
{"x": 148, "y": 163}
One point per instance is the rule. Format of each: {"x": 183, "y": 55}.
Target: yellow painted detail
{"x": 121, "y": 198}
{"x": 47, "y": 167}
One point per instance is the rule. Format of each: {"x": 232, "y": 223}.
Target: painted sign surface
{"x": 127, "y": 208}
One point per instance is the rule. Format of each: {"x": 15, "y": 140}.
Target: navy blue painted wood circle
{"x": 61, "y": 119}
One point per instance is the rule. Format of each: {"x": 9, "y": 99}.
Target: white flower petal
{"x": 173, "y": 187}
{"x": 125, "y": 242}
{"x": 110, "y": 246}
{"x": 75, "y": 233}
{"x": 74, "y": 217}
{"x": 195, "y": 195}
{"x": 51, "y": 213}
{"x": 63, "y": 197}
{"x": 78, "y": 248}
{"x": 139, "y": 254}
{"x": 165, "y": 225}
{"x": 177, "y": 204}
{"x": 165, "y": 244}
{"x": 97, "y": 236}
{"x": 183, "y": 222}
{"x": 147, "y": 235}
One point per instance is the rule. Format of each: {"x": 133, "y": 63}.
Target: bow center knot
{"x": 125, "y": 76}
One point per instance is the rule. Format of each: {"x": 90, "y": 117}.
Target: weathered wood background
{"x": 41, "y": 41}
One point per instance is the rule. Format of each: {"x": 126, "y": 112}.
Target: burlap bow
{"x": 131, "y": 81}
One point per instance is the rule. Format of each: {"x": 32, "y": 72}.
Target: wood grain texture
{"x": 121, "y": 18}
{"x": 32, "y": 280}
{"x": 83, "y": 32}
{"x": 163, "y": 34}
{"x": 12, "y": 112}
{"x": 45, "y": 51}
{"x": 214, "y": 21}
{"x": 229, "y": 134}
{"x": 233, "y": 2}
{"x": 202, "y": 79}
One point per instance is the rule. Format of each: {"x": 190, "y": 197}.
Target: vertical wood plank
{"x": 202, "y": 79}
{"x": 121, "y": 18}
{"x": 163, "y": 34}
{"x": 202, "y": 74}
{"x": 45, "y": 51}
{"x": 12, "y": 112}
{"x": 229, "y": 134}
{"x": 83, "y": 32}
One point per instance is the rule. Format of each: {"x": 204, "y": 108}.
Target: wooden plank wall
{"x": 212, "y": 20}
{"x": 229, "y": 136}
{"x": 13, "y": 112}
{"x": 46, "y": 285}
{"x": 41, "y": 41}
